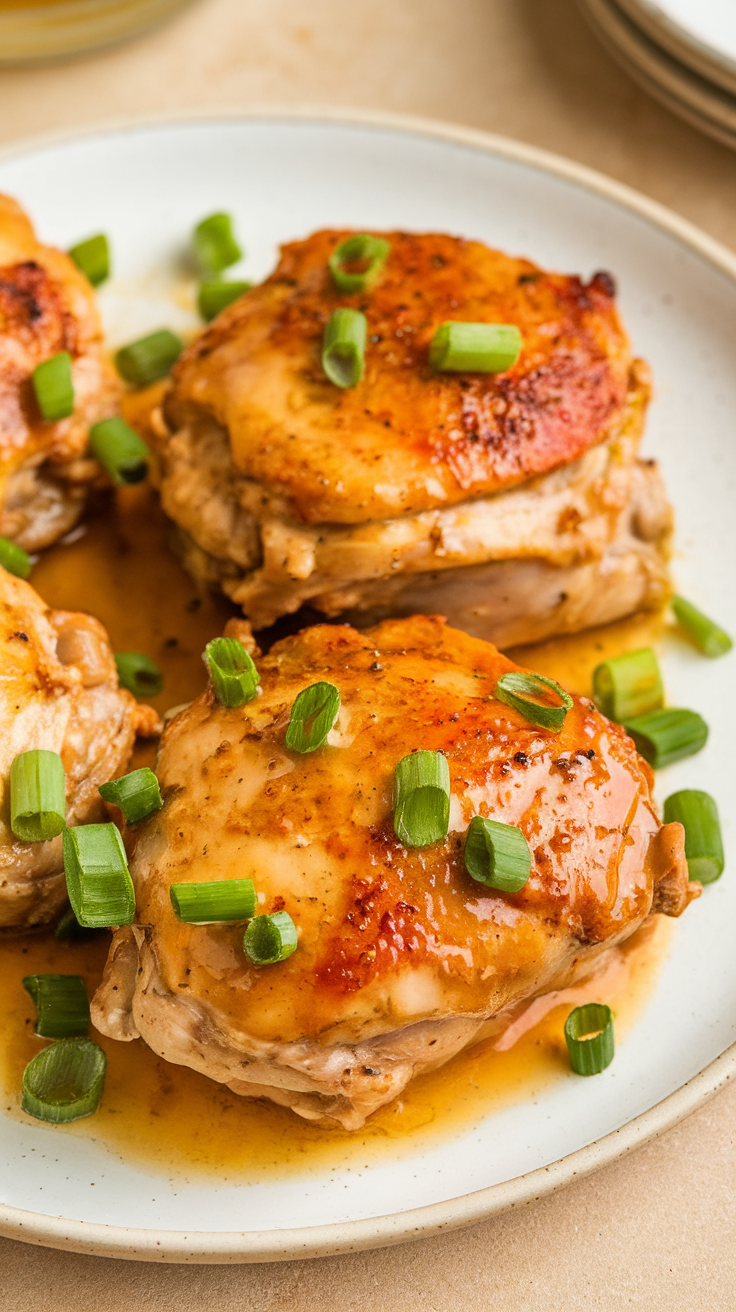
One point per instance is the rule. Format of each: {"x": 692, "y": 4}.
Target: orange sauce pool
{"x": 172, "y": 1120}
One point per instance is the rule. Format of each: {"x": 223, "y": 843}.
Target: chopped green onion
{"x": 521, "y": 691}
{"x": 312, "y": 716}
{"x": 213, "y": 297}
{"x": 138, "y": 673}
{"x": 497, "y": 855}
{"x": 628, "y": 685}
{"x": 666, "y": 736}
{"x": 69, "y": 927}
{"x": 62, "y": 1005}
{"x": 97, "y": 878}
{"x": 360, "y": 249}
{"x": 269, "y": 939}
{"x": 343, "y": 347}
{"x": 421, "y": 799}
{"x": 589, "y": 1037}
{"x": 698, "y": 815}
{"x": 137, "y": 794}
{"x": 149, "y": 358}
{"x": 37, "y": 796}
{"x": 232, "y": 671}
{"x": 53, "y": 386}
{"x": 14, "y": 559}
{"x": 93, "y": 258}
{"x": 486, "y": 348}
{"x": 64, "y": 1082}
{"x": 119, "y": 450}
{"x": 706, "y": 635}
{"x": 215, "y": 243}
{"x": 219, "y": 901}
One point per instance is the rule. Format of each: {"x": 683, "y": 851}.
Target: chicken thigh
{"x": 402, "y": 958}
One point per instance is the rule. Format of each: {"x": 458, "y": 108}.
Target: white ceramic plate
{"x": 282, "y": 177}
{"x": 701, "y": 33}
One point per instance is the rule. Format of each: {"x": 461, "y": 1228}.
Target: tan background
{"x": 657, "y": 1230}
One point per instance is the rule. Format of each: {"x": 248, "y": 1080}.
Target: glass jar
{"x": 50, "y": 29}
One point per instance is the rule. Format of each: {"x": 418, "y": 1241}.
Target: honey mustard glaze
{"x": 175, "y": 1121}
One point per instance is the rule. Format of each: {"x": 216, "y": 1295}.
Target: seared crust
{"x": 405, "y": 439}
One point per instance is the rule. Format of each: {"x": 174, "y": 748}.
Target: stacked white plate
{"x": 681, "y": 51}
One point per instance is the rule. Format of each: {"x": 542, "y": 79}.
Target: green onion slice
{"x": 93, "y": 258}
{"x": 62, "y": 1005}
{"x": 362, "y": 249}
{"x": 119, "y": 450}
{"x": 68, "y": 928}
{"x": 589, "y": 1037}
{"x": 707, "y": 636}
{"x": 53, "y": 386}
{"x": 149, "y": 358}
{"x": 486, "y": 348}
{"x": 421, "y": 799}
{"x": 213, "y": 297}
{"x": 138, "y": 673}
{"x": 668, "y": 735}
{"x": 64, "y": 1082}
{"x": 269, "y": 939}
{"x": 522, "y": 691}
{"x": 14, "y": 559}
{"x": 37, "y": 796}
{"x": 218, "y": 901}
{"x": 698, "y": 815}
{"x": 137, "y": 794}
{"x": 497, "y": 855}
{"x": 97, "y": 878}
{"x": 233, "y": 673}
{"x": 628, "y": 685}
{"x": 343, "y": 347}
{"x": 312, "y": 716}
{"x": 215, "y": 243}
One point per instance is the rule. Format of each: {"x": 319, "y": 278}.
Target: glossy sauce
{"x": 174, "y": 1120}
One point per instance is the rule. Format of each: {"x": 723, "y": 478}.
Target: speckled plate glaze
{"x": 283, "y": 175}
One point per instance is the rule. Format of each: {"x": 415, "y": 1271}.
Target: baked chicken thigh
{"x": 402, "y": 958}
{"x": 46, "y": 306}
{"x": 512, "y": 502}
{"x": 59, "y": 692}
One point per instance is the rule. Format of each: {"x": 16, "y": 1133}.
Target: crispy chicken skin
{"x": 287, "y": 489}
{"x": 58, "y": 691}
{"x": 46, "y": 306}
{"x": 402, "y": 958}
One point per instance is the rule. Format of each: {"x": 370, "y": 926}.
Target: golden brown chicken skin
{"x": 402, "y": 956}
{"x": 46, "y": 306}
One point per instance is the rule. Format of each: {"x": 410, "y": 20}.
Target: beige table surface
{"x": 658, "y": 1229}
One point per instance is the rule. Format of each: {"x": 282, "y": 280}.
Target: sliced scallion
{"x": 215, "y": 243}
{"x": 522, "y": 691}
{"x": 362, "y": 249}
{"x": 698, "y": 815}
{"x": 628, "y": 685}
{"x": 97, "y": 878}
{"x": 667, "y": 735}
{"x": 589, "y": 1038}
{"x": 707, "y": 636}
{"x": 137, "y": 794}
{"x": 138, "y": 673}
{"x": 218, "y": 901}
{"x": 14, "y": 559}
{"x": 68, "y": 927}
{"x": 119, "y": 450}
{"x": 37, "y": 796}
{"x": 312, "y": 716}
{"x": 62, "y": 1005}
{"x": 213, "y": 297}
{"x": 421, "y": 799}
{"x": 486, "y": 348}
{"x": 343, "y": 347}
{"x": 497, "y": 855}
{"x": 232, "y": 671}
{"x": 53, "y": 386}
{"x": 93, "y": 258}
{"x": 152, "y": 357}
{"x": 64, "y": 1082}
{"x": 269, "y": 939}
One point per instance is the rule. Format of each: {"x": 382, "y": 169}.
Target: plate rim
{"x": 682, "y": 42}
{"x": 221, "y": 1247}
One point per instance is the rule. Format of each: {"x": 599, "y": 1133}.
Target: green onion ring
{"x": 358, "y": 248}
{"x": 270, "y": 939}
{"x": 64, "y": 1082}
{"x": 516, "y": 689}
{"x": 589, "y": 1037}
